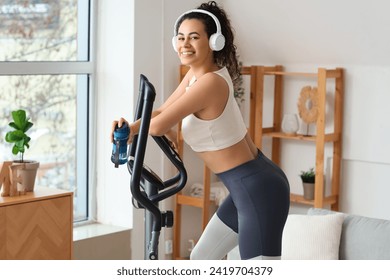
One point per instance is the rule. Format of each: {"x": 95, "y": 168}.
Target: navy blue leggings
{"x": 257, "y": 206}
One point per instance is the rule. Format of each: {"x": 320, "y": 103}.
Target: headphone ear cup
{"x": 217, "y": 41}
{"x": 174, "y": 43}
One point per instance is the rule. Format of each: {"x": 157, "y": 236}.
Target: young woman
{"x": 254, "y": 214}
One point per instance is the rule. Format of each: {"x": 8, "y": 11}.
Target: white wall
{"x": 301, "y": 35}
{"x": 115, "y": 83}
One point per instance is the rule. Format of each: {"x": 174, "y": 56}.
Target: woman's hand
{"x": 172, "y": 138}
{"x": 119, "y": 124}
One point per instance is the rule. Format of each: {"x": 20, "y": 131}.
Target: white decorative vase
{"x": 290, "y": 124}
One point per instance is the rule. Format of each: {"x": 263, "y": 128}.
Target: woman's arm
{"x": 134, "y": 127}
{"x": 210, "y": 91}
{"x": 172, "y": 137}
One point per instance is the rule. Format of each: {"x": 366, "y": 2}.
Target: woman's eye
{"x": 191, "y": 38}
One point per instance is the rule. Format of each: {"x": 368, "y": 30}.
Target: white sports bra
{"x": 222, "y": 132}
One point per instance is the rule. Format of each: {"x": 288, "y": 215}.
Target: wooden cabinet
{"x": 319, "y": 139}
{"x": 38, "y": 225}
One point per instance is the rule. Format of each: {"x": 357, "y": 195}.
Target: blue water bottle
{"x": 119, "y": 147}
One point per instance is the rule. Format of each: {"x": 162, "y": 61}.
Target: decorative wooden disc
{"x": 308, "y": 104}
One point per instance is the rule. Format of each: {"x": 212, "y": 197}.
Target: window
{"x": 46, "y": 69}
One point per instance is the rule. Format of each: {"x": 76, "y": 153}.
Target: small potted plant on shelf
{"x": 22, "y": 173}
{"x": 308, "y": 180}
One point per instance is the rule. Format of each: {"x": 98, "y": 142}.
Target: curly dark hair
{"x": 228, "y": 55}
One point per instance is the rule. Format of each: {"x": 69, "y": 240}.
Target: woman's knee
{"x": 198, "y": 254}
{"x": 216, "y": 241}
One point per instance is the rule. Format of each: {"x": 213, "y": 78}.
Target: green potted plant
{"x": 308, "y": 180}
{"x": 27, "y": 170}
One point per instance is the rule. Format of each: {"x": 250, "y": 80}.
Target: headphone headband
{"x": 216, "y": 40}
{"x": 197, "y": 11}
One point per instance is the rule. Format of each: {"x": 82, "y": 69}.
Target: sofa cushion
{"x": 365, "y": 239}
{"x": 315, "y": 237}
{"x": 362, "y": 238}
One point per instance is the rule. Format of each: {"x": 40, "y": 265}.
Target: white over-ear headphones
{"x": 216, "y": 41}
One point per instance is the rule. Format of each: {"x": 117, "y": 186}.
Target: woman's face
{"x": 193, "y": 43}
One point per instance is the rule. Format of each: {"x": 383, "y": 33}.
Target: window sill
{"x": 95, "y": 230}
{"x": 101, "y": 242}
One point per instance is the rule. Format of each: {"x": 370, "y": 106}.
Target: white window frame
{"x": 85, "y": 127}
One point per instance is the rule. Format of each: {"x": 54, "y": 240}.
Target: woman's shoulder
{"x": 212, "y": 81}
{"x": 214, "y": 76}
{"x": 218, "y": 80}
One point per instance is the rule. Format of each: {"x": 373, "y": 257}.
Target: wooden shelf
{"x": 330, "y": 74}
{"x": 328, "y": 137}
{"x": 297, "y": 198}
{"x": 190, "y": 200}
{"x": 296, "y": 74}
{"x": 319, "y": 139}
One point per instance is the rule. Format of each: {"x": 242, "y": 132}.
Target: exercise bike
{"x": 146, "y": 187}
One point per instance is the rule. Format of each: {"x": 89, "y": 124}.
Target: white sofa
{"x": 324, "y": 234}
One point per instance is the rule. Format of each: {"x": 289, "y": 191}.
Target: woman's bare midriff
{"x": 226, "y": 159}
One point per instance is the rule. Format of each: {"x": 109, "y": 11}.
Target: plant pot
{"x": 308, "y": 191}
{"x": 27, "y": 171}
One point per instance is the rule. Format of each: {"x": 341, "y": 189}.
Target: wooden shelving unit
{"x": 204, "y": 202}
{"x": 319, "y": 139}
{"x": 257, "y": 76}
